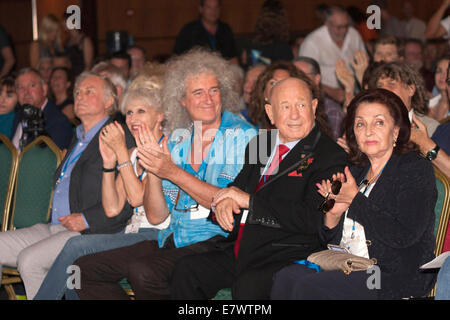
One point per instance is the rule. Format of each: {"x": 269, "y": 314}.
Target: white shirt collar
{"x": 45, "y": 103}
{"x": 290, "y": 144}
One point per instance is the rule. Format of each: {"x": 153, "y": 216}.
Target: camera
{"x": 33, "y": 124}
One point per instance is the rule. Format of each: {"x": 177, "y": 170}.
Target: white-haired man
{"x": 77, "y": 206}
{"x": 32, "y": 90}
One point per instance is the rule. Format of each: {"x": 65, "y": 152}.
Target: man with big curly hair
{"x": 203, "y": 154}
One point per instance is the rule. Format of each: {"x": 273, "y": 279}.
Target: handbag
{"x": 329, "y": 260}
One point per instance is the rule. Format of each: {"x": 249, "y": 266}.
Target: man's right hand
{"x": 224, "y": 213}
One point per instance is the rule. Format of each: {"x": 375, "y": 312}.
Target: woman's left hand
{"x": 349, "y": 188}
{"x": 114, "y": 136}
{"x": 108, "y": 155}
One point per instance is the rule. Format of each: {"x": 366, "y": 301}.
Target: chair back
{"x": 8, "y": 167}
{"x": 34, "y": 183}
{"x": 442, "y": 209}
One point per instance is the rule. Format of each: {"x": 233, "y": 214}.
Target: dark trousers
{"x": 147, "y": 268}
{"x": 201, "y": 276}
{"x": 297, "y": 282}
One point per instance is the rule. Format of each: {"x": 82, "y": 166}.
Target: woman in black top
{"x": 383, "y": 210}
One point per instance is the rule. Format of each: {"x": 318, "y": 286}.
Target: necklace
{"x": 366, "y": 183}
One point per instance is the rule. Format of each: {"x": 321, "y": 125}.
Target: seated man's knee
{"x": 74, "y": 248}
{"x": 26, "y": 260}
{"x": 184, "y": 269}
{"x": 144, "y": 271}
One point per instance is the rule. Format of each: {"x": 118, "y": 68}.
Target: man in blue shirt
{"x": 76, "y": 206}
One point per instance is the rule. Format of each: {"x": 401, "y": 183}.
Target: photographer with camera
{"x": 37, "y": 115}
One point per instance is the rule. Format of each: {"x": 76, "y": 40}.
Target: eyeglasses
{"x": 328, "y": 203}
{"x": 192, "y": 208}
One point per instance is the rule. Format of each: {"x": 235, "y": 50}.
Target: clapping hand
{"x": 154, "y": 157}
{"x": 108, "y": 155}
{"x": 343, "y": 199}
{"x": 114, "y": 136}
{"x": 345, "y": 76}
{"x": 360, "y": 63}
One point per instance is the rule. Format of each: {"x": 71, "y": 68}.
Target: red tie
{"x": 277, "y": 158}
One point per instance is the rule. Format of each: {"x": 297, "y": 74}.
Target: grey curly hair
{"x": 192, "y": 63}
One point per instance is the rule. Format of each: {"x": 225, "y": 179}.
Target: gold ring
{"x": 326, "y": 196}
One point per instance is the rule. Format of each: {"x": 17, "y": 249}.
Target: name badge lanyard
{"x": 365, "y": 184}
{"x": 188, "y": 153}
{"x": 68, "y": 162}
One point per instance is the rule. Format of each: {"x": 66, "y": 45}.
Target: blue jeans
{"x": 54, "y": 285}
{"x": 443, "y": 282}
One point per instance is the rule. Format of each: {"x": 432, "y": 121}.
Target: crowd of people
{"x": 218, "y": 168}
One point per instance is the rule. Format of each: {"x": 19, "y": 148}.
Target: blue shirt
{"x": 222, "y": 164}
{"x": 60, "y": 205}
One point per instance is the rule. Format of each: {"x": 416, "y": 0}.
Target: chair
{"x": 34, "y": 183}
{"x": 127, "y": 288}
{"x": 442, "y": 213}
{"x": 223, "y": 294}
{"x": 32, "y": 194}
{"x": 442, "y": 210}
{"x": 8, "y": 168}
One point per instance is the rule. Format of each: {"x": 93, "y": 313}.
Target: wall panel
{"x": 154, "y": 24}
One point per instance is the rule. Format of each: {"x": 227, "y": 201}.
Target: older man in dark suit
{"x": 280, "y": 220}
{"x": 32, "y": 90}
{"x": 77, "y": 198}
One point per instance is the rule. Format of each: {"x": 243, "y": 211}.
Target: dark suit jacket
{"x": 194, "y": 34}
{"x": 398, "y": 220}
{"x": 284, "y": 221}
{"x": 57, "y": 125}
{"x": 85, "y": 191}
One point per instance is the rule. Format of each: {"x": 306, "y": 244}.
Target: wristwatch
{"x": 432, "y": 154}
